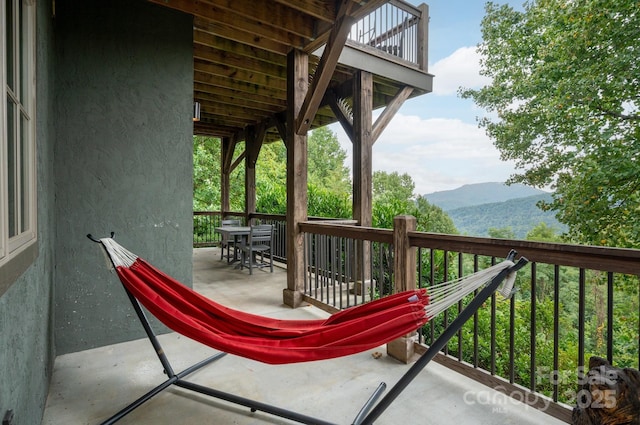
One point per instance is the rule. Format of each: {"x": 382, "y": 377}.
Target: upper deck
{"x": 240, "y": 56}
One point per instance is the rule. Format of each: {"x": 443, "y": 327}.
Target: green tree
{"x": 386, "y": 186}
{"x": 543, "y": 233}
{"x": 206, "y": 177}
{"x": 329, "y": 181}
{"x": 564, "y": 104}
{"x": 501, "y": 232}
{"x": 327, "y": 167}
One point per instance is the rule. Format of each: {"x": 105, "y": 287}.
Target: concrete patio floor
{"x": 90, "y": 386}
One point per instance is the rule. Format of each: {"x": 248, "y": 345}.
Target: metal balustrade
{"x": 396, "y": 28}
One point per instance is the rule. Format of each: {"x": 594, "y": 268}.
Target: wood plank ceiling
{"x": 240, "y": 53}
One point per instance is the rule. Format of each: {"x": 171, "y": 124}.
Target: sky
{"x": 435, "y": 137}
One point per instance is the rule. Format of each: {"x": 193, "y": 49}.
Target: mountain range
{"x": 476, "y": 208}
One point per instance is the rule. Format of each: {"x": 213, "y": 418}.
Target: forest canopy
{"x": 564, "y": 104}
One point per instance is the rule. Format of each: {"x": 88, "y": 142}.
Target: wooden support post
{"x": 362, "y": 147}
{"x": 297, "y": 86}
{"x": 253, "y": 143}
{"x": 423, "y": 37}
{"x": 404, "y": 272}
{"x": 362, "y": 170}
{"x": 225, "y": 170}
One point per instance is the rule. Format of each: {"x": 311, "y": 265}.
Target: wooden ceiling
{"x": 240, "y": 52}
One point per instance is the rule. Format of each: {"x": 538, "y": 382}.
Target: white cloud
{"x": 438, "y": 153}
{"x": 461, "y": 68}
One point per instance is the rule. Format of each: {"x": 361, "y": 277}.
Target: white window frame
{"x": 24, "y": 161}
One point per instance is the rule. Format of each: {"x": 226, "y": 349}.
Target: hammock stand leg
{"x": 174, "y": 378}
{"x": 177, "y": 380}
{"x": 439, "y": 344}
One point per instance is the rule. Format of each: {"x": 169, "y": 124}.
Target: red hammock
{"x": 261, "y": 338}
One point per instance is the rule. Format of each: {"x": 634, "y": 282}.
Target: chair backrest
{"x": 230, "y": 222}
{"x": 261, "y": 234}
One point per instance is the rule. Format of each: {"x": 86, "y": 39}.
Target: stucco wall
{"x": 123, "y": 158}
{"x": 26, "y": 319}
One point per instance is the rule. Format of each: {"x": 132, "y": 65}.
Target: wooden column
{"x": 362, "y": 172}
{"x": 362, "y": 147}
{"x": 225, "y": 170}
{"x": 254, "y": 139}
{"x": 297, "y": 86}
{"x": 404, "y": 272}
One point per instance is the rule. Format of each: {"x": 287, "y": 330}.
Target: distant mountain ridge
{"x": 476, "y": 208}
{"x": 480, "y": 193}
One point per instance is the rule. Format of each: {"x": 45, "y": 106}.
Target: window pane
{"x": 10, "y": 45}
{"x": 11, "y": 156}
{"x": 22, "y": 52}
{"x": 25, "y": 172}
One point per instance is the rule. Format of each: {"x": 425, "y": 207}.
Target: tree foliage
{"x": 388, "y": 186}
{"x": 564, "y": 104}
{"x": 327, "y": 169}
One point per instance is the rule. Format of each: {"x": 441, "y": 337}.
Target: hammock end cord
{"x": 118, "y": 256}
{"x": 506, "y": 289}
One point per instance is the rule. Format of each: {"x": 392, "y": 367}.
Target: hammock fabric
{"x": 261, "y": 338}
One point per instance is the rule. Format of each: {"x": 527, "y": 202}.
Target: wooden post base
{"x": 402, "y": 349}
{"x": 291, "y": 298}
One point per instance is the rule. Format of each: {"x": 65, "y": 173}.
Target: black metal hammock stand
{"x": 275, "y": 341}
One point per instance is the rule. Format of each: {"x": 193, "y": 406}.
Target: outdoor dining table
{"x": 239, "y": 235}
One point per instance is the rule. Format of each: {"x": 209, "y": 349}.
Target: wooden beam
{"x": 281, "y": 125}
{"x": 269, "y": 16}
{"x": 325, "y": 68}
{"x": 213, "y": 93}
{"x": 316, "y": 8}
{"x": 235, "y": 74}
{"x": 344, "y": 120}
{"x": 389, "y": 112}
{"x": 238, "y": 161}
{"x": 207, "y": 39}
{"x": 233, "y": 60}
{"x": 225, "y": 30}
{"x": 238, "y": 86}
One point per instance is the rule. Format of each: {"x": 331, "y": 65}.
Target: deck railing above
{"x": 396, "y": 28}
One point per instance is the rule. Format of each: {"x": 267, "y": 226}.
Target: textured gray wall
{"x": 26, "y": 323}
{"x": 123, "y": 158}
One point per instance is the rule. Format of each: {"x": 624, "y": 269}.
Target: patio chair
{"x": 276, "y": 341}
{"x": 227, "y": 242}
{"x": 258, "y": 244}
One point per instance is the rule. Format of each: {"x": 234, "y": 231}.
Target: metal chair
{"x": 227, "y": 242}
{"x": 258, "y": 242}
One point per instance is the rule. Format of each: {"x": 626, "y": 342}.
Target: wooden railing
{"x": 533, "y": 346}
{"x": 572, "y": 302}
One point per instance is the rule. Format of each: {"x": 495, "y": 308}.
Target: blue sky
{"x": 434, "y": 137}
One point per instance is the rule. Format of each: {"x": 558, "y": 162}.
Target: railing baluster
{"x": 512, "y": 337}
{"x": 581, "y": 316}
{"x": 532, "y": 359}
{"x": 556, "y": 330}
{"x": 493, "y": 328}
{"x": 610, "y": 317}
{"x": 445, "y": 277}
{"x": 475, "y": 319}
{"x": 460, "y": 307}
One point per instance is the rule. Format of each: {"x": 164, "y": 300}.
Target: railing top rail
{"x": 348, "y": 231}
{"x": 620, "y": 260}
